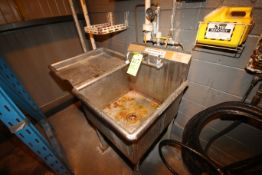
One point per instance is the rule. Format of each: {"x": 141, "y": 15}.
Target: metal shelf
{"x": 11, "y": 88}
{"x": 18, "y": 124}
{"x": 108, "y": 27}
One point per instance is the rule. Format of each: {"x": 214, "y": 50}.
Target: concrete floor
{"x": 81, "y": 146}
{"x": 17, "y": 159}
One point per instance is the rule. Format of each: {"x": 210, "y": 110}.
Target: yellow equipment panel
{"x": 226, "y": 27}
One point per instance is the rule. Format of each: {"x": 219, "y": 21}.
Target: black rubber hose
{"x": 232, "y": 111}
{"x": 220, "y": 134}
{"x": 253, "y": 83}
{"x": 174, "y": 143}
{"x": 235, "y": 124}
{"x": 250, "y": 166}
{"x": 257, "y": 98}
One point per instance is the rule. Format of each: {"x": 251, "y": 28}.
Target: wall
{"x": 213, "y": 79}
{"x": 22, "y": 10}
{"x": 30, "y": 51}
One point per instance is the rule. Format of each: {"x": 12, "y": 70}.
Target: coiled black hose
{"x": 255, "y": 101}
{"x": 231, "y": 111}
{"x": 192, "y": 152}
{"x": 175, "y": 143}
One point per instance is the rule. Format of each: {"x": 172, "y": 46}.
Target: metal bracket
{"x": 217, "y": 50}
{"x": 19, "y": 126}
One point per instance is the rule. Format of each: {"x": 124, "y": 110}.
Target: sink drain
{"x": 132, "y": 118}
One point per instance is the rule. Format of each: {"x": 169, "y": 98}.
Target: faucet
{"x": 151, "y": 60}
{"x": 127, "y": 59}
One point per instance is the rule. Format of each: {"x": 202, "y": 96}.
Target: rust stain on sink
{"x": 131, "y": 109}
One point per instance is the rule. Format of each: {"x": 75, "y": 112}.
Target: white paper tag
{"x": 219, "y": 31}
{"x": 135, "y": 64}
{"x": 155, "y": 52}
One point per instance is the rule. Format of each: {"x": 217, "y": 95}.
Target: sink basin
{"x": 130, "y": 103}
{"x": 132, "y": 112}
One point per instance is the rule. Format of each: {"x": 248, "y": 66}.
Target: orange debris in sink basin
{"x": 131, "y": 109}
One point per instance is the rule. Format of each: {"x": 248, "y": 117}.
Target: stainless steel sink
{"x": 132, "y": 112}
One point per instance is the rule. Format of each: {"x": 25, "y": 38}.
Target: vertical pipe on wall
{"x": 85, "y": 12}
{"x": 172, "y": 22}
{"x": 80, "y": 34}
{"x": 147, "y": 5}
{"x": 157, "y": 19}
{"x": 147, "y": 27}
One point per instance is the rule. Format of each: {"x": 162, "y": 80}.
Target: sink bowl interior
{"x": 131, "y": 109}
{"x": 130, "y": 101}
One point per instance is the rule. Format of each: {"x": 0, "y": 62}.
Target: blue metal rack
{"x": 15, "y": 90}
{"x": 18, "y": 124}
{"x": 10, "y": 85}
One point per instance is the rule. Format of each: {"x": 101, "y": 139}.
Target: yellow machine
{"x": 225, "y": 27}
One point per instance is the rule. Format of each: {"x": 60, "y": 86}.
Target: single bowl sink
{"x": 130, "y": 104}
{"x": 132, "y": 112}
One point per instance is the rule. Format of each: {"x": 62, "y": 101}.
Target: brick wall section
{"x": 213, "y": 78}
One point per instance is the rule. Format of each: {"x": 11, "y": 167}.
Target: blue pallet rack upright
{"x": 11, "y": 87}
{"x": 18, "y": 124}
{"x": 16, "y": 91}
